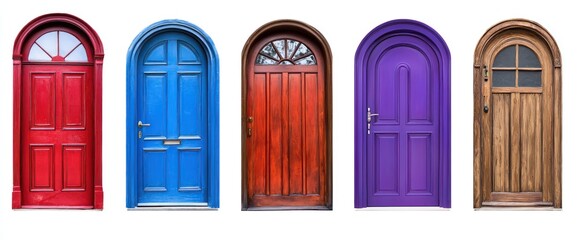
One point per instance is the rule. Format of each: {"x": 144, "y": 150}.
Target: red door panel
{"x": 57, "y": 132}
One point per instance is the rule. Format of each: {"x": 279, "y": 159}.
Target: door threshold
{"x": 315, "y": 208}
{"x": 484, "y": 208}
{"x": 172, "y": 208}
{"x": 418, "y": 208}
{"x": 73, "y": 208}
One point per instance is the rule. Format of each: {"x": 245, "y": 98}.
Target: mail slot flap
{"x": 171, "y": 142}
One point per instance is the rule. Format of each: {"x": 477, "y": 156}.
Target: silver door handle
{"x": 140, "y": 124}
{"x": 369, "y": 115}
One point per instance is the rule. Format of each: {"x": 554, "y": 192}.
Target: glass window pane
{"x": 506, "y": 57}
{"x": 280, "y": 45}
{"x": 309, "y": 60}
{"x": 67, "y": 43}
{"x": 262, "y": 60}
{"x": 527, "y": 58}
{"x": 48, "y": 41}
{"x": 77, "y": 55}
{"x": 286, "y": 62}
{"x": 530, "y": 78}
{"x": 302, "y": 51}
{"x": 36, "y": 54}
{"x": 269, "y": 51}
{"x": 503, "y": 78}
{"x": 291, "y": 46}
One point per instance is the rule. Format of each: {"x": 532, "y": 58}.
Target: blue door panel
{"x": 191, "y": 100}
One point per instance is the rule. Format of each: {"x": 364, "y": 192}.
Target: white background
{"x": 344, "y": 24}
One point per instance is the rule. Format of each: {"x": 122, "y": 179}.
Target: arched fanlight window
{"x": 57, "y": 46}
{"x": 285, "y": 52}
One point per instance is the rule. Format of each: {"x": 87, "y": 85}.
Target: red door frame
{"x": 33, "y": 26}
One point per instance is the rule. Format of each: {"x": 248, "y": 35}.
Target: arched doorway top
{"x": 172, "y": 25}
{"x": 48, "y": 20}
{"x": 284, "y": 26}
{"x": 403, "y": 27}
{"x": 525, "y": 25}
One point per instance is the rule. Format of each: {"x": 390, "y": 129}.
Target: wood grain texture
{"x": 515, "y": 143}
{"x": 533, "y": 125}
{"x": 294, "y": 169}
{"x": 501, "y": 142}
{"x": 531, "y": 143}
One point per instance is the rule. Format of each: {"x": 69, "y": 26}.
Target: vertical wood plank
{"x": 557, "y": 137}
{"x": 515, "y": 143}
{"x": 531, "y": 142}
{"x": 285, "y": 134}
{"x": 295, "y": 135}
{"x": 486, "y": 136}
{"x": 547, "y": 135}
{"x": 275, "y": 134}
{"x": 477, "y": 137}
{"x": 312, "y": 141}
{"x": 501, "y": 142}
{"x": 322, "y": 137}
{"x": 258, "y": 138}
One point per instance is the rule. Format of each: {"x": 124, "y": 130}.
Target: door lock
{"x": 486, "y": 109}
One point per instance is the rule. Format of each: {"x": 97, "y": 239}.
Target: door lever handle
{"x": 140, "y": 124}
{"x": 369, "y": 115}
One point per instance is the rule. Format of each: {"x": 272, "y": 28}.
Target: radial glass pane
{"x": 49, "y": 43}
{"x": 67, "y": 43}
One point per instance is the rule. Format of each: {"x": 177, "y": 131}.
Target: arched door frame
{"x": 527, "y": 27}
{"x": 213, "y": 105}
{"x": 383, "y": 31}
{"x": 32, "y": 27}
{"x": 312, "y": 34}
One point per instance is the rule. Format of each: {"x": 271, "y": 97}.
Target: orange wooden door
{"x": 518, "y": 122}
{"x": 286, "y": 138}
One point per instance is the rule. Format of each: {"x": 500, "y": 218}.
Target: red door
{"x": 57, "y": 147}
{"x": 286, "y": 124}
{"x": 57, "y": 115}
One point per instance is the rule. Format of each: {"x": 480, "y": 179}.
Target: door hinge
{"x": 139, "y": 134}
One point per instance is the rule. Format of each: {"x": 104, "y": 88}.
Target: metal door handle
{"x": 369, "y": 115}
{"x": 140, "y": 124}
{"x": 486, "y": 109}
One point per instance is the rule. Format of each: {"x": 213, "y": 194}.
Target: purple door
{"x": 402, "y": 118}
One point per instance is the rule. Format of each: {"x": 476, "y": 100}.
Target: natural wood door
{"x": 286, "y": 124}
{"x": 518, "y": 122}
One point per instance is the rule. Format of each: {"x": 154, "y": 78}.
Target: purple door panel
{"x": 402, "y": 117}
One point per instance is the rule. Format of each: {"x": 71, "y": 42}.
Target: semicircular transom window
{"x": 57, "y": 46}
{"x": 516, "y": 66}
{"x": 285, "y": 52}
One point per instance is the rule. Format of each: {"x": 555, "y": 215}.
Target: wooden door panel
{"x": 42, "y": 168}
{"x": 43, "y": 101}
{"x": 285, "y": 159}
{"x": 531, "y": 142}
{"x": 74, "y": 159}
{"x": 73, "y": 102}
{"x": 501, "y": 142}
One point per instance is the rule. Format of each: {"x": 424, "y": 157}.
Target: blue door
{"x": 172, "y": 117}
{"x": 172, "y": 121}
